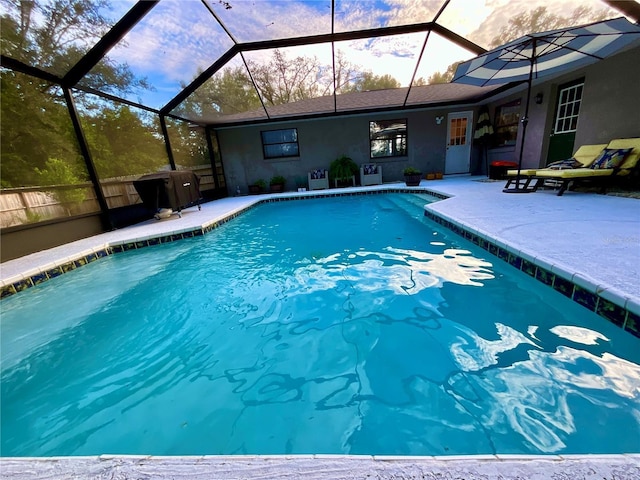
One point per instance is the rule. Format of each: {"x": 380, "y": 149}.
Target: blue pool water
{"x": 348, "y": 325}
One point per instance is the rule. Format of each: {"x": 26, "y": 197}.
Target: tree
{"x": 367, "y": 81}
{"x": 446, "y": 77}
{"x": 121, "y": 144}
{"x": 230, "y": 91}
{"x": 540, "y": 20}
{"x": 283, "y": 81}
{"x": 189, "y": 146}
{"x": 60, "y": 173}
{"x": 36, "y": 126}
{"x": 279, "y": 80}
{"x": 64, "y": 31}
{"x": 346, "y": 73}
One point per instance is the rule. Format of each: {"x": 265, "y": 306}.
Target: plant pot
{"x": 438, "y": 175}
{"x": 413, "y": 180}
{"x": 431, "y": 176}
{"x": 276, "y": 188}
{"x": 344, "y": 182}
{"x": 255, "y": 189}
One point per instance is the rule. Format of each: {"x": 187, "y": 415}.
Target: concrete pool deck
{"x": 593, "y": 238}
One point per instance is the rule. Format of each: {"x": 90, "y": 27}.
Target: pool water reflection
{"x": 338, "y": 325}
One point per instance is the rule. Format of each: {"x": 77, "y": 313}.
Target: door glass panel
{"x": 458, "y": 131}
{"x": 568, "y": 109}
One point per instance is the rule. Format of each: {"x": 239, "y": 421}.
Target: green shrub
{"x": 342, "y": 168}
{"x": 277, "y": 180}
{"x": 411, "y": 171}
{"x": 60, "y": 173}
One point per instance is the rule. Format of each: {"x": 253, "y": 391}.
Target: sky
{"x": 177, "y": 38}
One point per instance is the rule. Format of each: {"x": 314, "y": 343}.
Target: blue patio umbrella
{"x": 546, "y": 53}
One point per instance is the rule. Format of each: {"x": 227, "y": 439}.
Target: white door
{"x": 458, "y": 159}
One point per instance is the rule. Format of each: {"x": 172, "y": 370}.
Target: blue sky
{"x": 178, "y": 37}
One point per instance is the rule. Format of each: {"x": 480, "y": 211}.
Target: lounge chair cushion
{"x": 632, "y": 159}
{"x": 559, "y": 165}
{"x": 370, "y": 168}
{"x": 523, "y": 173}
{"x": 586, "y": 154}
{"x": 611, "y": 158}
{"x": 575, "y": 173}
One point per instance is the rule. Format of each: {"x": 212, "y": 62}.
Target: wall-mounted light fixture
{"x": 439, "y": 119}
{"x": 539, "y": 97}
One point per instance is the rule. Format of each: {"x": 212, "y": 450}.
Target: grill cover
{"x": 174, "y": 189}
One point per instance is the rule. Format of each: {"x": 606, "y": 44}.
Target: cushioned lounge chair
{"x": 593, "y": 170}
{"x": 602, "y": 177}
{"x": 586, "y": 155}
{"x": 318, "y": 179}
{"x": 370, "y": 174}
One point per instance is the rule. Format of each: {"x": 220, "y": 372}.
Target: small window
{"x": 388, "y": 138}
{"x": 507, "y": 119}
{"x": 280, "y": 143}
{"x": 458, "y": 131}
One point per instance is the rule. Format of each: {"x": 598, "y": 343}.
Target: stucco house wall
{"x": 610, "y": 109}
{"x": 322, "y": 140}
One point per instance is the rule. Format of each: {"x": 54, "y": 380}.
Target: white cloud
{"x": 179, "y": 37}
{"x": 256, "y": 20}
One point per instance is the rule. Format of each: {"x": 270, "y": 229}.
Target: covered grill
{"x": 173, "y": 190}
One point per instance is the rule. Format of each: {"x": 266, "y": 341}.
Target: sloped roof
{"x": 375, "y": 100}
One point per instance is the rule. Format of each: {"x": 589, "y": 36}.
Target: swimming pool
{"x": 347, "y": 325}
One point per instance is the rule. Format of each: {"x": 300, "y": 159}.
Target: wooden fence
{"x": 35, "y": 204}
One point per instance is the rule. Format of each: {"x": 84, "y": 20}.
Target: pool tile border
{"x": 604, "y": 303}
{"x": 600, "y": 301}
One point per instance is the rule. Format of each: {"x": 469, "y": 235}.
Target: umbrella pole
{"x": 525, "y": 121}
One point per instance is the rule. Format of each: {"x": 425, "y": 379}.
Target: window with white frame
{"x": 569, "y": 100}
{"x": 280, "y": 143}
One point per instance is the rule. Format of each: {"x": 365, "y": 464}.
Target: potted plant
{"x": 276, "y": 184}
{"x": 258, "y": 186}
{"x": 342, "y": 170}
{"x": 412, "y": 176}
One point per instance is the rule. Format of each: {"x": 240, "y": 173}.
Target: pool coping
{"x": 469, "y": 467}
{"x": 622, "y": 311}
{"x": 616, "y": 308}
